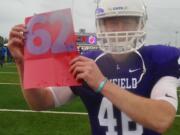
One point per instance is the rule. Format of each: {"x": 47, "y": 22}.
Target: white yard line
{"x": 9, "y": 66}
{"x": 8, "y": 72}
{"x": 46, "y": 112}
{"x": 9, "y": 83}
{"x": 50, "y": 112}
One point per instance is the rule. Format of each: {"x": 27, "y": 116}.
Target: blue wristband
{"x": 101, "y": 85}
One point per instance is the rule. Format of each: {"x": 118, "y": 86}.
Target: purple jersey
{"x": 105, "y": 118}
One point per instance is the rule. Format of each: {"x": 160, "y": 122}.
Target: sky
{"x": 162, "y": 26}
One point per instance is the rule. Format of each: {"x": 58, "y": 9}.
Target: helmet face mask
{"x": 120, "y": 29}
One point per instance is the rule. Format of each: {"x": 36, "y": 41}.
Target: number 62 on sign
{"x": 50, "y": 45}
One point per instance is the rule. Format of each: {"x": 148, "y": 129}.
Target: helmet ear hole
{"x": 121, "y": 41}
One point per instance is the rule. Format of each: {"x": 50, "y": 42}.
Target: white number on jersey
{"x": 106, "y": 109}
{"x": 106, "y": 118}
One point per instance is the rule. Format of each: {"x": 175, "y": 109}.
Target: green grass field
{"x": 36, "y": 123}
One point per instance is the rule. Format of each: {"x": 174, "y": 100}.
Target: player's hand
{"x": 16, "y": 42}
{"x": 86, "y": 69}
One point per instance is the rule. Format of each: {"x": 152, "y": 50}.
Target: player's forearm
{"x": 36, "y": 98}
{"x": 20, "y": 69}
{"x": 153, "y": 114}
{"x": 39, "y": 99}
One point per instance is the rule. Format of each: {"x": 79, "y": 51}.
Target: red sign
{"x": 50, "y": 45}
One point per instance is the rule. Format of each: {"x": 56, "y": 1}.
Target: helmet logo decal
{"x": 99, "y": 11}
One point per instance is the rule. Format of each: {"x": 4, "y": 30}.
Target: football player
{"x": 128, "y": 88}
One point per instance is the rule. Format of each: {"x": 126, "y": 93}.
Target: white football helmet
{"x": 121, "y": 41}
